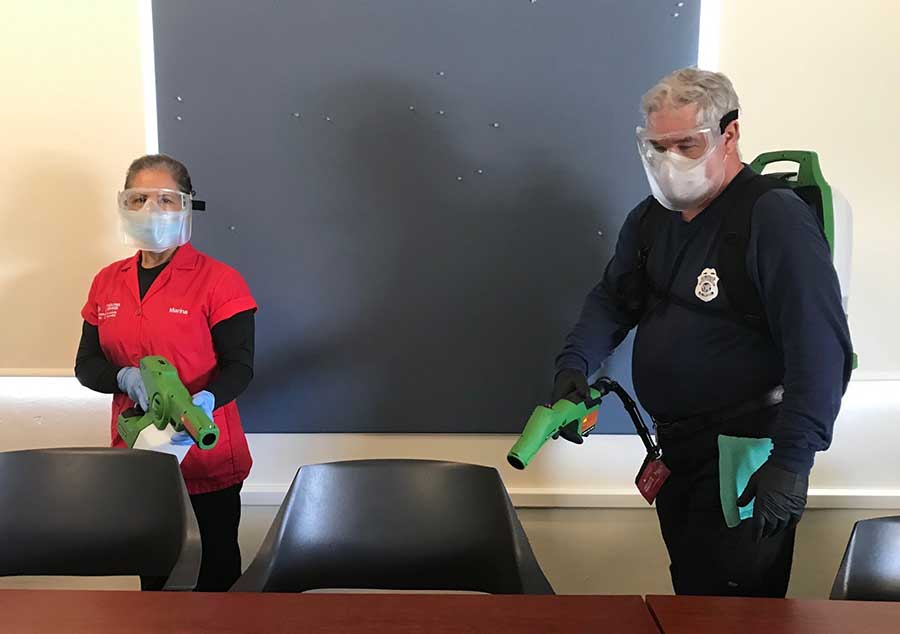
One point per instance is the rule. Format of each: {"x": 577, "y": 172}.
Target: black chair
{"x": 870, "y": 570}
{"x": 97, "y": 512}
{"x": 397, "y": 525}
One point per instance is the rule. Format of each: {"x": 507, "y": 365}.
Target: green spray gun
{"x": 546, "y": 422}
{"x": 168, "y": 403}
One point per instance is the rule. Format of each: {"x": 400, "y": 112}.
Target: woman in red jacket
{"x": 171, "y": 300}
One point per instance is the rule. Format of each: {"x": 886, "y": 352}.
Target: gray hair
{"x": 712, "y": 92}
{"x": 175, "y": 168}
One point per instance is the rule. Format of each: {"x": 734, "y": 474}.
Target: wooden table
{"x": 76, "y": 612}
{"x": 722, "y": 615}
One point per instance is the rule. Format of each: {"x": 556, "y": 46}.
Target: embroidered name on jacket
{"x": 108, "y": 311}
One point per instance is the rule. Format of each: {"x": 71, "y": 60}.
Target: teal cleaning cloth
{"x": 739, "y": 458}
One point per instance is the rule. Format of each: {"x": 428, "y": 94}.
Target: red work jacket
{"x": 175, "y": 318}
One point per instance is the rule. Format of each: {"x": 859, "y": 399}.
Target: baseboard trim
{"x": 879, "y": 499}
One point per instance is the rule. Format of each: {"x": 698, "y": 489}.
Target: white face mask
{"x": 155, "y": 231}
{"x": 680, "y": 183}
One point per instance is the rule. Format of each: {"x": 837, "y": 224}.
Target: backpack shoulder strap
{"x": 732, "y": 256}
{"x": 652, "y": 217}
{"x": 632, "y": 288}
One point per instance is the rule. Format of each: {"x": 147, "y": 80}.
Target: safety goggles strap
{"x": 727, "y": 119}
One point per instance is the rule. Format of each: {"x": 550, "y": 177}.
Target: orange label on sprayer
{"x": 588, "y": 421}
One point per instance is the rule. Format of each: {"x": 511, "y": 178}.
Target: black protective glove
{"x": 571, "y": 384}
{"x": 780, "y": 499}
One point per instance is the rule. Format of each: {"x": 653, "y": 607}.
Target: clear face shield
{"x": 155, "y": 219}
{"x": 680, "y": 165}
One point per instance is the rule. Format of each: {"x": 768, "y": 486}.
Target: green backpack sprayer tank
{"x": 831, "y": 208}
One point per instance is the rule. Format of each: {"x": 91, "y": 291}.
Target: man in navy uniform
{"x": 741, "y": 335}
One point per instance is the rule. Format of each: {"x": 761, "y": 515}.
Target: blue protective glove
{"x": 131, "y": 383}
{"x": 205, "y": 401}
{"x": 181, "y": 438}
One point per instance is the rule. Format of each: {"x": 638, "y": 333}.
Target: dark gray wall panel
{"x": 416, "y": 265}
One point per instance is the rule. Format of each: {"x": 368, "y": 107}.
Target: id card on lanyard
{"x": 654, "y": 472}
{"x": 652, "y": 477}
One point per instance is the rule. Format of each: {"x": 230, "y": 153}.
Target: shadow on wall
{"x": 452, "y": 284}
{"x": 48, "y": 222}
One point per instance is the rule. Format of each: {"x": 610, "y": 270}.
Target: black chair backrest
{"x": 870, "y": 570}
{"x": 97, "y": 511}
{"x": 396, "y": 524}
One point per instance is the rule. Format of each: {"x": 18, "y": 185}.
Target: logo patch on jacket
{"x": 108, "y": 311}
{"x": 707, "y": 285}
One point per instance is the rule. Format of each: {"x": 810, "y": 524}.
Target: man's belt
{"x": 692, "y": 423}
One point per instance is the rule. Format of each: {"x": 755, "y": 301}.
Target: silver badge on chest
{"x": 707, "y": 285}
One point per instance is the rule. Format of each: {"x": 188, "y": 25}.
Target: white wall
{"x": 590, "y": 530}
{"x": 859, "y": 471}
{"x": 825, "y": 75}
{"x": 71, "y": 116}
